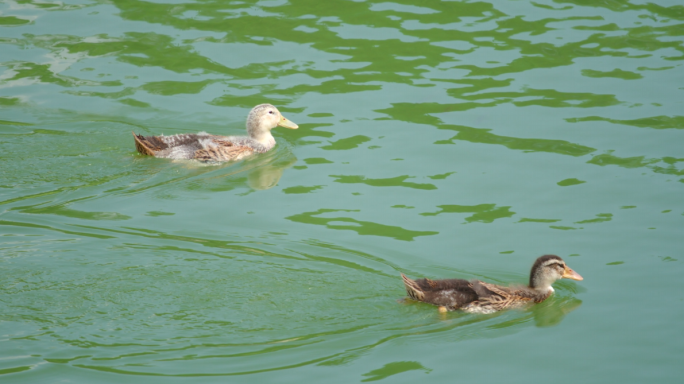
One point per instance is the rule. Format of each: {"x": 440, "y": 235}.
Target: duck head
{"x": 262, "y": 119}
{"x": 547, "y": 269}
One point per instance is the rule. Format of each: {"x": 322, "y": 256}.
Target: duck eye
{"x": 271, "y": 112}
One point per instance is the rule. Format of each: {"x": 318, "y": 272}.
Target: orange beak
{"x": 570, "y": 274}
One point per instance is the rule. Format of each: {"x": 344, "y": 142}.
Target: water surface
{"x": 440, "y": 139}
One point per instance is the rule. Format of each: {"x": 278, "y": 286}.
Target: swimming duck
{"x": 476, "y": 296}
{"x": 205, "y": 147}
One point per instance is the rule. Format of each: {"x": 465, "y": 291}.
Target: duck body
{"x": 205, "y": 147}
{"x": 199, "y": 146}
{"x": 476, "y": 296}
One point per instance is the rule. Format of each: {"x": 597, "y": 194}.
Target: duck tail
{"x": 412, "y": 288}
{"x": 141, "y": 146}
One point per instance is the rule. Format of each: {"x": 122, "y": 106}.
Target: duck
{"x": 212, "y": 148}
{"x": 475, "y": 296}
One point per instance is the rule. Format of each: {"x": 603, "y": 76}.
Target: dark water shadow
{"x": 391, "y": 369}
{"x": 361, "y": 227}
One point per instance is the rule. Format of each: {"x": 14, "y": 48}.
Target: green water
{"x": 437, "y": 138}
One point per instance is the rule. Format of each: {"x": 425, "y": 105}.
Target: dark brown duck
{"x": 476, "y": 296}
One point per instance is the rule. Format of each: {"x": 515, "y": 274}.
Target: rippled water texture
{"x": 437, "y": 138}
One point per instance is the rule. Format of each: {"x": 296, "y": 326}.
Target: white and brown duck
{"x": 205, "y": 147}
{"x": 476, "y": 296}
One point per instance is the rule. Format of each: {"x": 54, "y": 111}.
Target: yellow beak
{"x": 285, "y": 123}
{"x": 570, "y": 274}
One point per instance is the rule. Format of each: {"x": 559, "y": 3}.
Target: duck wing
{"x": 450, "y": 293}
{"x": 202, "y": 146}
{"x": 222, "y": 149}
{"x": 492, "y": 298}
{"x": 182, "y": 146}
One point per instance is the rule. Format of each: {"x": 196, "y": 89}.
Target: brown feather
{"x": 450, "y": 293}
{"x": 223, "y": 152}
{"x": 412, "y": 289}
{"x": 145, "y": 146}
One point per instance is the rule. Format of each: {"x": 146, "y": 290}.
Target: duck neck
{"x": 266, "y": 139}
{"x": 541, "y": 285}
{"x": 261, "y": 135}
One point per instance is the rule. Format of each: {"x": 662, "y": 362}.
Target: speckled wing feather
{"x": 224, "y": 150}
{"x": 181, "y": 146}
{"x": 493, "y": 298}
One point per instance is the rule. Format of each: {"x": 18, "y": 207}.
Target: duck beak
{"x": 570, "y": 274}
{"x": 285, "y": 123}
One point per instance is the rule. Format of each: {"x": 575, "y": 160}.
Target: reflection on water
{"x": 547, "y": 314}
{"x": 266, "y": 174}
{"x": 553, "y": 313}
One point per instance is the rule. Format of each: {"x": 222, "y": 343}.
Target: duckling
{"x": 476, "y": 296}
{"x": 205, "y": 147}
